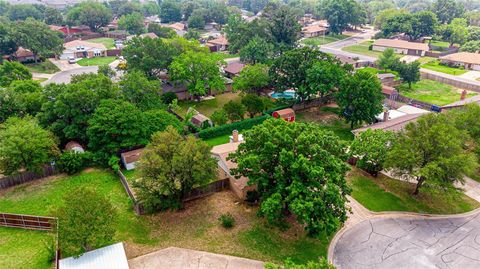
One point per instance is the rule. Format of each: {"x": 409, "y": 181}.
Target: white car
{"x": 72, "y": 60}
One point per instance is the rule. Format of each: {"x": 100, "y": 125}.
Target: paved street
{"x": 66, "y": 76}
{"x": 411, "y": 242}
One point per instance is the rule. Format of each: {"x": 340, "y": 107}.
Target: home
{"x": 356, "y": 62}
{"x": 394, "y": 125}
{"x": 218, "y": 44}
{"x": 401, "y": 46}
{"x": 109, "y": 257}
{"x": 314, "y": 30}
{"x": 233, "y": 69}
{"x": 387, "y": 79}
{"x": 179, "y": 28}
{"x": 24, "y": 55}
{"x": 238, "y": 186}
{"x": 467, "y": 60}
{"x": 287, "y": 114}
{"x": 130, "y": 158}
{"x": 83, "y": 49}
{"x": 463, "y": 102}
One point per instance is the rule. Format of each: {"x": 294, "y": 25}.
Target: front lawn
{"x": 109, "y": 43}
{"x": 387, "y": 194}
{"x": 96, "y": 61}
{"x": 327, "y": 118}
{"x": 322, "y": 40}
{"x": 436, "y": 66}
{"x": 45, "y": 67}
{"x": 207, "y": 107}
{"x": 362, "y": 49}
{"x": 433, "y": 92}
{"x": 196, "y": 227}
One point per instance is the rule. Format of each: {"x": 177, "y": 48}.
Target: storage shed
{"x": 287, "y": 114}
{"x": 130, "y": 158}
{"x": 110, "y": 257}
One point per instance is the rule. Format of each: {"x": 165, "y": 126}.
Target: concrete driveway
{"x": 411, "y": 242}
{"x": 179, "y": 258}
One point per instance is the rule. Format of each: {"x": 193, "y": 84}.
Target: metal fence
{"x": 24, "y": 177}
{"x": 28, "y": 222}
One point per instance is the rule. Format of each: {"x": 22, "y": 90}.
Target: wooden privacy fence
{"x": 136, "y": 205}
{"x": 28, "y": 222}
{"x": 24, "y": 177}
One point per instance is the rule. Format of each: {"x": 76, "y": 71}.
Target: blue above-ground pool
{"x": 285, "y": 95}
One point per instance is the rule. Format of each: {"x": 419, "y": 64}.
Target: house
{"x": 238, "y": 186}
{"x": 314, "y": 30}
{"x": 179, "y": 28}
{"x": 287, "y": 114}
{"x": 74, "y": 146}
{"x": 401, "y": 46}
{"x": 83, "y": 49}
{"x": 24, "y": 55}
{"x": 218, "y": 44}
{"x": 109, "y": 257}
{"x": 387, "y": 79}
{"x": 391, "y": 114}
{"x": 233, "y": 69}
{"x": 130, "y": 158}
{"x": 467, "y": 60}
{"x": 149, "y": 35}
{"x": 394, "y": 125}
{"x": 461, "y": 103}
{"x": 357, "y": 63}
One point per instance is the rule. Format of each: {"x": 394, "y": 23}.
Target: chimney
{"x": 464, "y": 95}
{"x": 235, "y": 136}
{"x": 385, "y": 115}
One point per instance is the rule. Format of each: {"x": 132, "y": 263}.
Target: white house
{"x": 467, "y": 60}
{"x": 401, "y": 46}
{"x": 83, "y": 49}
{"x": 110, "y": 257}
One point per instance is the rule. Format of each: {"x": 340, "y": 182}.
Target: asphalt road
{"x": 66, "y": 76}
{"x": 411, "y": 242}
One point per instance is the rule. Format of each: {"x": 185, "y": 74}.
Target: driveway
{"x": 472, "y": 75}
{"x": 66, "y": 76}
{"x": 173, "y": 258}
{"x": 411, "y": 242}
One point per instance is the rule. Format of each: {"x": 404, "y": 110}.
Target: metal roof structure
{"x": 110, "y": 257}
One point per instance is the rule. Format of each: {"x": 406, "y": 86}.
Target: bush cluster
{"x": 228, "y": 128}
{"x": 227, "y": 220}
{"x": 72, "y": 162}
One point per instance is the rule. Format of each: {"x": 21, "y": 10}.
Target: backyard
{"x": 45, "y": 67}
{"x": 96, "y": 61}
{"x": 207, "y": 107}
{"x": 322, "y": 40}
{"x": 387, "y": 194}
{"x": 109, "y": 43}
{"x": 195, "y": 227}
{"x": 436, "y": 66}
{"x": 327, "y": 118}
{"x": 432, "y": 92}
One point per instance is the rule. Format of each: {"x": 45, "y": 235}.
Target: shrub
{"x": 168, "y": 97}
{"x": 72, "y": 162}
{"x": 228, "y": 128}
{"x": 227, "y": 220}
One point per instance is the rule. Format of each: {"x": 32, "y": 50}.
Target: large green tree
{"x": 388, "y": 60}
{"x": 283, "y": 26}
{"x": 12, "y": 71}
{"x": 257, "y": 50}
{"x": 431, "y": 151}
{"x": 199, "y": 71}
{"x": 86, "y": 221}
{"x": 93, "y": 14}
{"x": 252, "y": 78}
{"x": 409, "y": 72}
{"x": 170, "y": 167}
{"x": 342, "y": 13}
{"x": 144, "y": 93}
{"x": 325, "y": 77}
{"x": 371, "y": 148}
{"x": 8, "y": 44}
{"x": 447, "y": 10}
{"x": 170, "y": 11}
{"x": 160, "y": 31}
{"x": 360, "y": 98}
{"x": 53, "y": 16}
{"x": 21, "y": 12}
{"x": 132, "y": 23}
{"x": 24, "y": 145}
{"x": 21, "y": 98}
{"x": 297, "y": 168}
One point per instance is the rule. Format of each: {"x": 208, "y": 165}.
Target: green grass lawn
{"x": 218, "y": 140}
{"x": 207, "y": 107}
{"x": 109, "y": 43}
{"x": 98, "y": 61}
{"x": 322, "y": 40}
{"x": 45, "y": 67}
{"x": 432, "y": 92}
{"x": 387, "y": 194}
{"x": 327, "y": 118}
{"x": 362, "y": 49}
{"x": 226, "y": 55}
{"x": 195, "y": 227}
{"x": 436, "y": 66}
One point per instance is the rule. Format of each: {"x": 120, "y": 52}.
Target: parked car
{"x": 72, "y": 60}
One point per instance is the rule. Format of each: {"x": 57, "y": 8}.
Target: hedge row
{"x": 228, "y": 128}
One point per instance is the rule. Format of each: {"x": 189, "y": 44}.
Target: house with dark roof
{"x": 218, "y": 44}
{"x": 130, "y": 158}
{"x": 233, "y": 69}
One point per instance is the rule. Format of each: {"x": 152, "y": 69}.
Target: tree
{"x": 341, "y": 13}
{"x": 257, "y": 50}
{"x": 158, "y": 120}
{"x": 298, "y": 169}
{"x": 151, "y": 56}
{"x": 388, "y": 60}
{"x": 219, "y": 117}
{"x": 192, "y": 34}
{"x": 86, "y": 221}
{"x": 170, "y": 11}
{"x": 324, "y": 77}
{"x": 138, "y": 90}
{"x": 8, "y": 44}
{"x": 160, "y": 31}
{"x": 253, "y": 104}
{"x": 409, "y": 72}
{"x": 235, "y": 110}
{"x": 431, "y": 150}
{"x": 322, "y": 264}
{"x": 457, "y": 31}
{"x": 283, "y": 25}
{"x": 360, "y": 98}
{"x": 252, "y": 78}
{"x": 199, "y": 71}
{"x": 473, "y": 33}
{"x": 107, "y": 71}
{"x": 424, "y": 23}
{"x": 196, "y": 20}
{"x": 115, "y": 125}
{"x": 12, "y": 71}
{"x": 371, "y": 148}
{"x": 467, "y": 119}
{"x": 127, "y": 8}
{"x": 23, "y": 11}
{"x": 447, "y": 10}
{"x": 382, "y": 17}
{"x": 93, "y": 14}
{"x": 21, "y": 98}
{"x": 132, "y": 23}
{"x": 24, "y": 145}
{"x": 38, "y": 38}
{"x": 53, "y": 16}
{"x": 471, "y": 46}
{"x": 170, "y": 167}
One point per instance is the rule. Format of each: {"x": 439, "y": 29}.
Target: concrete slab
{"x": 173, "y": 258}
{"x": 472, "y": 75}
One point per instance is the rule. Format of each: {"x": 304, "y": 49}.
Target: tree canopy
{"x": 371, "y": 148}
{"x": 12, "y": 71}
{"x": 132, "y": 23}
{"x": 252, "y": 78}
{"x": 93, "y": 14}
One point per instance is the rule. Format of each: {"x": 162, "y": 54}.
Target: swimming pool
{"x": 285, "y": 95}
